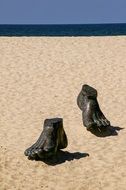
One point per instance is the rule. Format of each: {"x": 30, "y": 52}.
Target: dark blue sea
{"x": 64, "y": 30}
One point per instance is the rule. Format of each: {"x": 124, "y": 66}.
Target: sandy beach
{"x": 40, "y": 77}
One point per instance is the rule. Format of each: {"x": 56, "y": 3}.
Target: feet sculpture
{"x": 52, "y": 138}
{"x": 93, "y": 118}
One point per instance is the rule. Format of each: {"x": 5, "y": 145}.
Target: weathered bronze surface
{"x": 52, "y": 138}
{"x": 93, "y": 118}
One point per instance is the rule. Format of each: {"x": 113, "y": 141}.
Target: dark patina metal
{"x": 93, "y": 118}
{"x": 52, "y": 139}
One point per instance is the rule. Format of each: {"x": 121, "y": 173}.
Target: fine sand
{"x": 40, "y": 77}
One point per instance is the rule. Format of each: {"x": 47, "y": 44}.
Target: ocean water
{"x": 64, "y": 30}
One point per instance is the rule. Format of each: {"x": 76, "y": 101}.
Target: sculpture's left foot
{"x": 52, "y": 137}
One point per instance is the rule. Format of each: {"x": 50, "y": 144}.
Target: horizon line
{"x": 70, "y": 24}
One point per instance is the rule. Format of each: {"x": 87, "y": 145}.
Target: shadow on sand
{"x": 63, "y": 156}
{"x": 109, "y": 131}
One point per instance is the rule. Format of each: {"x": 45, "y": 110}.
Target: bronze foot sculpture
{"x": 52, "y": 138}
{"x": 93, "y": 118}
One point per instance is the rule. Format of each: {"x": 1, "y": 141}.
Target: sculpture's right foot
{"x": 93, "y": 118}
{"x": 91, "y": 126}
{"x": 100, "y": 120}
